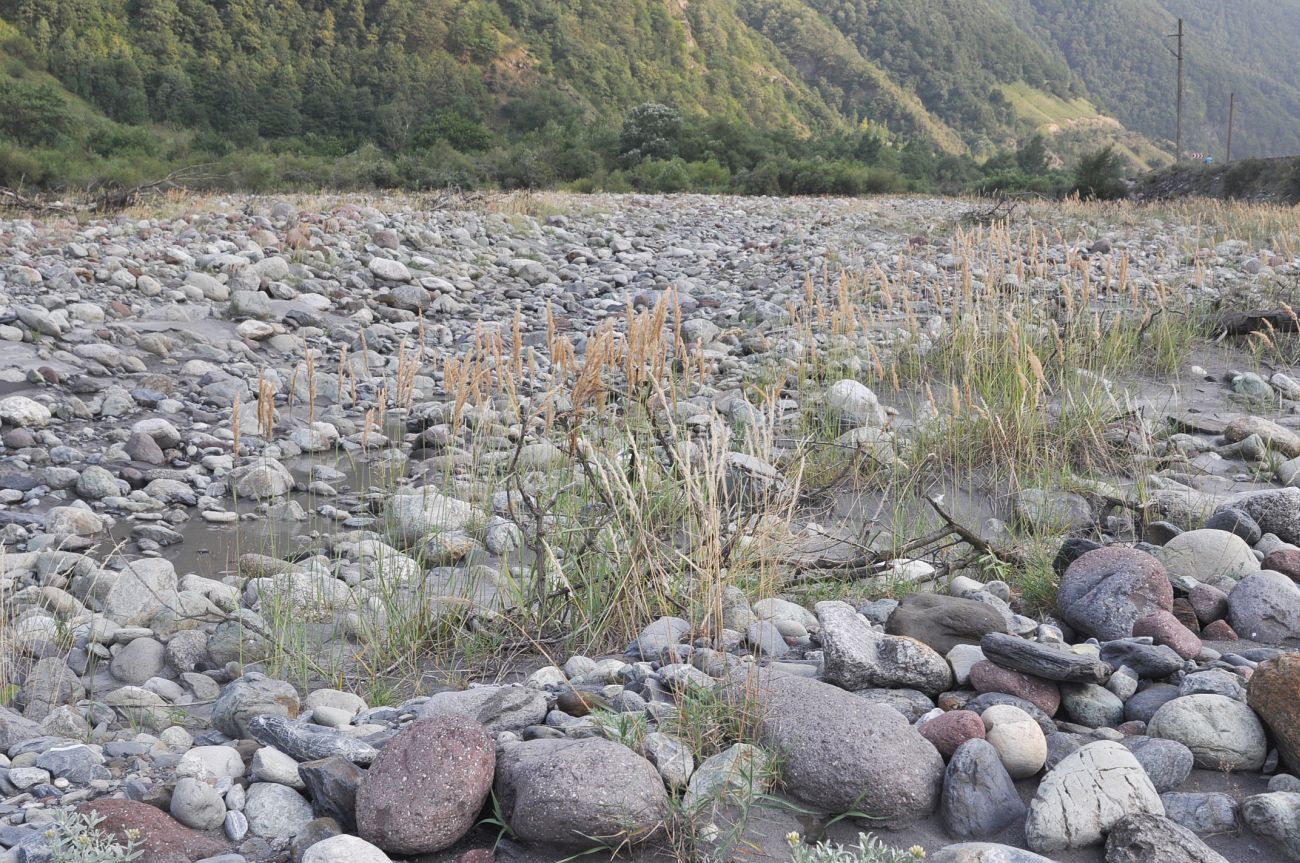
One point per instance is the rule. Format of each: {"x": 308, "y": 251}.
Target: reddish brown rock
{"x": 952, "y": 729}
{"x": 478, "y": 855}
{"x": 988, "y": 677}
{"x": 1209, "y": 603}
{"x": 1274, "y": 693}
{"x": 1132, "y": 728}
{"x": 1219, "y": 630}
{"x": 1163, "y": 628}
{"x": 425, "y": 790}
{"x": 161, "y": 838}
{"x": 1285, "y": 561}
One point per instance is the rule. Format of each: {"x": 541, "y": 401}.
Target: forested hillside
{"x": 535, "y": 91}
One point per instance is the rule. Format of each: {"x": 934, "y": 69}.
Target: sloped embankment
{"x": 1261, "y": 180}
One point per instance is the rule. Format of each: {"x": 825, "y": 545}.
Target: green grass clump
{"x": 868, "y": 850}
{"x": 76, "y": 838}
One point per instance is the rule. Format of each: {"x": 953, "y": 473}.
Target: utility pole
{"x": 1178, "y": 141}
{"x": 1232, "y": 115}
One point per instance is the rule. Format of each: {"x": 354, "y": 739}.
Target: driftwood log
{"x": 305, "y": 743}
{"x": 18, "y": 201}
{"x": 1043, "y": 660}
{"x": 1264, "y": 320}
{"x": 104, "y": 197}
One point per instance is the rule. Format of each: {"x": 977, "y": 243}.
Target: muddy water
{"x": 213, "y": 549}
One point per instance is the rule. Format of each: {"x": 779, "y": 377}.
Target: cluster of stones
{"x": 138, "y": 342}
{"x": 938, "y": 703}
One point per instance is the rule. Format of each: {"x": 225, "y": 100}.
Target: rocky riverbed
{"x": 518, "y": 527}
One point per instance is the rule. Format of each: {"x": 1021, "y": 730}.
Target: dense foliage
{"x": 766, "y": 95}
{"x": 1100, "y": 175}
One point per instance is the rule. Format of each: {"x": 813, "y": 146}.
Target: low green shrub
{"x": 76, "y": 838}
{"x": 1100, "y": 175}
{"x": 868, "y": 850}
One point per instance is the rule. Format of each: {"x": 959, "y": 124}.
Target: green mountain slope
{"x": 354, "y": 70}
{"x": 378, "y": 69}
{"x": 329, "y": 76}
{"x": 848, "y": 82}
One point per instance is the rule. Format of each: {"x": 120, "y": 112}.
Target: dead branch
{"x": 1001, "y": 211}
{"x": 971, "y": 538}
{"x": 104, "y": 197}
{"x": 1262, "y": 320}
{"x": 18, "y": 201}
{"x": 110, "y": 199}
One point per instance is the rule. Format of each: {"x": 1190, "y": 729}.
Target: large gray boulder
{"x": 979, "y": 796}
{"x": 261, "y": 479}
{"x": 390, "y": 270}
{"x": 859, "y": 657}
{"x": 579, "y": 793}
{"x": 16, "y": 728}
{"x": 425, "y": 512}
{"x": 496, "y": 708}
{"x": 250, "y": 696}
{"x": 1275, "y": 510}
{"x": 1210, "y": 556}
{"x": 249, "y": 304}
{"x": 734, "y": 775}
{"x": 1085, "y": 795}
{"x": 1265, "y": 606}
{"x": 943, "y": 622}
{"x": 23, "y": 412}
{"x": 138, "y": 661}
{"x": 1051, "y": 511}
{"x": 1223, "y": 733}
{"x": 49, "y": 684}
{"x": 142, "y": 589}
{"x": 276, "y": 811}
{"x": 197, "y": 804}
{"x": 854, "y": 405}
{"x": 1202, "y": 812}
{"x": 1275, "y": 436}
{"x": 838, "y": 752}
{"x": 1149, "y": 838}
{"x": 343, "y": 849}
{"x": 1092, "y": 705}
{"x": 1275, "y": 815}
{"x": 1167, "y": 762}
{"x": 660, "y": 635}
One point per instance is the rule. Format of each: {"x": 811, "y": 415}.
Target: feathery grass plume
{"x": 368, "y": 423}
{"x": 235, "y": 430}
{"x": 342, "y": 374}
{"x": 310, "y": 358}
{"x": 517, "y": 343}
{"x": 265, "y": 407}
{"x": 408, "y": 367}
